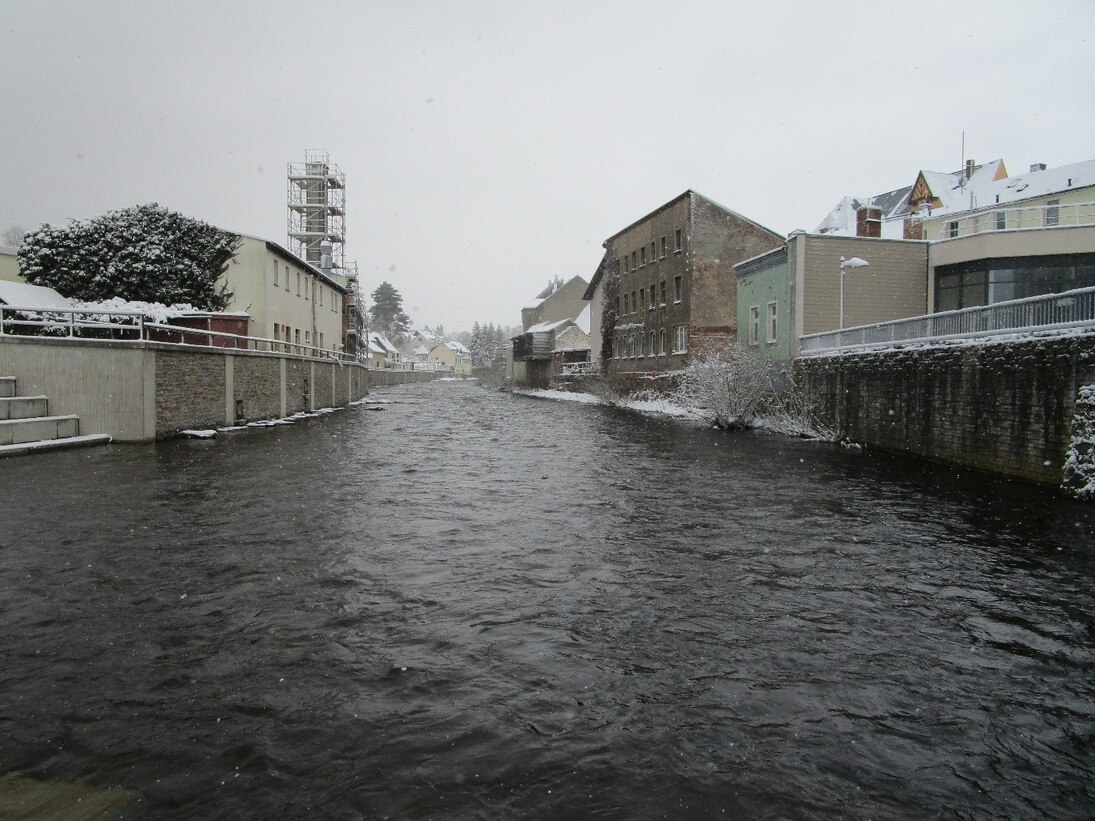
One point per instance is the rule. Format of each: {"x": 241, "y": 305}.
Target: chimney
{"x": 1038, "y": 166}
{"x": 969, "y": 169}
{"x": 868, "y": 221}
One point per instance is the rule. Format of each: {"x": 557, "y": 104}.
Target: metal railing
{"x": 577, "y": 368}
{"x": 1002, "y": 218}
{"x": 132, "y": 326}
{"x": 1069, "y": 309}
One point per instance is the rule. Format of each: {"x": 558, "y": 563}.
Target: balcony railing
{"x": 1070, "y": 309}
{"x": 1002, "y": 218}
{"x": 132, "y": 326}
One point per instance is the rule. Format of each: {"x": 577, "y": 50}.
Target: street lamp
{"x": 854, "y": 262}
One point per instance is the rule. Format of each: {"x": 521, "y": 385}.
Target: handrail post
{"x": 71, "y": 324}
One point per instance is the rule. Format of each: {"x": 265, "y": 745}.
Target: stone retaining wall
{"x": 1006, "y": 407}
{"x": 142, "y": 391}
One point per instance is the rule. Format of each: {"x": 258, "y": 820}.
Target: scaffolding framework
{"x": 317, "y": 209}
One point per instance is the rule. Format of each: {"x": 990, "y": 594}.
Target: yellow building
{"x": 452, "y": 354}
{"x": 9, "y": 265}
{"x": 286, "y": 298}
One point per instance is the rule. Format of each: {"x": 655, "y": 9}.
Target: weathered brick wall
{"x": 1005, "y": 407}
{"x": 189, "y": 391}
{"x": 257, "y": 382}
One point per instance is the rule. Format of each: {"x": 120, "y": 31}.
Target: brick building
{"x": 668, "y": 284}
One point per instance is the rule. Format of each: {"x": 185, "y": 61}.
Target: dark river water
{"x": 470, "y": 604}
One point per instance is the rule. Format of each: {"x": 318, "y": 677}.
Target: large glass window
{"x": 988, "y": 281}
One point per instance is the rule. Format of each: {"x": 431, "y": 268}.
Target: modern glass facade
{"x": 988, "y": 281}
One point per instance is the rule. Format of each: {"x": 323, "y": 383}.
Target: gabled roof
{"x": 380, "y": 343}
{"x": 1023, "y": 186}
{"x": 452, "y": 345}
{"x": 689, "y": 193}
{"x": 954, "y": 191}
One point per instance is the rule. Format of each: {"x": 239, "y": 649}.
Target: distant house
{"x": 669, "y": 282}
{"x": 452, "y": 354}
{"x": 531, "y": 359}
{"x": 382, "y": 354}
{"x": 794, "y": 289}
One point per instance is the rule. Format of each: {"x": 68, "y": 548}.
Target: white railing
{"x": 991, "y": 218}
{"x": 132, "y": 326}
{"x": 1070, "y": 309}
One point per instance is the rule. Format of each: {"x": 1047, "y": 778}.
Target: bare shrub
{"x": 724, "y": 386}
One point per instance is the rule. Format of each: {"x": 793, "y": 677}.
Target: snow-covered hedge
{"x": 145, "y": 253}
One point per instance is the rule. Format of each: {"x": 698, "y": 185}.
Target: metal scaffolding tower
{"x": 317, "y": 210}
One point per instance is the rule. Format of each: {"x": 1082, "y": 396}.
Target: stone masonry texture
{"x": 1005, "y": 407}
{"x": 189, "y": 391}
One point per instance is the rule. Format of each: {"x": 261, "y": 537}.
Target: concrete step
{"x": 23, "y": 407}
{"x": 54, "y": 444}
{"x": 20, "y": 431}
{"x": 7, "y": 386}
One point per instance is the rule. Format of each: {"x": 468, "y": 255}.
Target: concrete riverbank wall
{"x": 379, "y": 378}
{"x": 1006, "y": 407}
{"x": 141, "y": 391}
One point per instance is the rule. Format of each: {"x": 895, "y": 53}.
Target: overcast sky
{"x": 489, "y": 146}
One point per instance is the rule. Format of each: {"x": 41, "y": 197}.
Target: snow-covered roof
{"x": 421, "y": 350}
{"x": 380, "y": 344}
{"x": 536, "y": 303}
{"x": 22, "y": 295}
{"x": 429, "y": 336}
{"x": 841, "y": 221}
{"x": 1020, "y": 187}
{"x": 547, "y": 327}
{"x": 456, "y": 347}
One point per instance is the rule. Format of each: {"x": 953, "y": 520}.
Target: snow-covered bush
{"x": 145, "y": 253}
{"x": 1079, "y": 467}
{"x": 725, "y": 386}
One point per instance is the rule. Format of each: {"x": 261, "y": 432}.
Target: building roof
{"x": 288, "y": 256}
{"x": 689, "y": 193}
{"x": 1022, "y": 187}
{"x": 955, "y": 192}
{"x": 22, "y": 295}
{"x": 380, "y": 343}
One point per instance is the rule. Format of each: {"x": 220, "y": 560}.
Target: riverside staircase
{"x": 27, "y": 427}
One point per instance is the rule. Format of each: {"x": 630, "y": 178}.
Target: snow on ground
{"x": 563, "y": 396}
{"x": 198, "y": 434}
{"x": 973, "y": 342}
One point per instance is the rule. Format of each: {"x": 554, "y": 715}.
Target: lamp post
{"x": 845, "y": 264}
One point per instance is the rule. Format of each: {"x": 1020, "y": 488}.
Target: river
{"x": 460, "y": 603}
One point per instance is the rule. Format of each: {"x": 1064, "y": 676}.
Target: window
{"x": 662, "y": 300}
{"x": 296, "y": 335}
{"x": 679, "y": 239}
{"x": 321, "y": 295}
{"x": 642, "y": 299}
{"x": 618, "y": 304}
{"x": 321, "y": 339}
{"x": 771, "y": 337}
{"x": 653, "y": 299}
{"x": 275, "y": 273}
{"x": 627, "y": 305}
{"x": 676, "y": 289}
{"x": 626, "y": 269}
{"x": 1053, "y": 213}
{"x": 617, "y": 267}
{"x": 952, "y": 229}
{"x": 642, "y": 256}
{"x": 754, "y": 324}
{"x": 653, "y": 344}
{"x": 634, "y": 302}
{"x": 1001, "y": 220}
{"x": 634, "y": 260}
{"x": 307, "y": 341}
{"x": 663, "y": 246}
{"x": 277, "y": 325}
{"x": 680, "y": 338}
{"x": 662, "y": 349}
{"x": 619, "y": 352}
{"x": 298, "y": 283}
{"x": 286, "y": 279}
{"x": 653, "y": 252}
